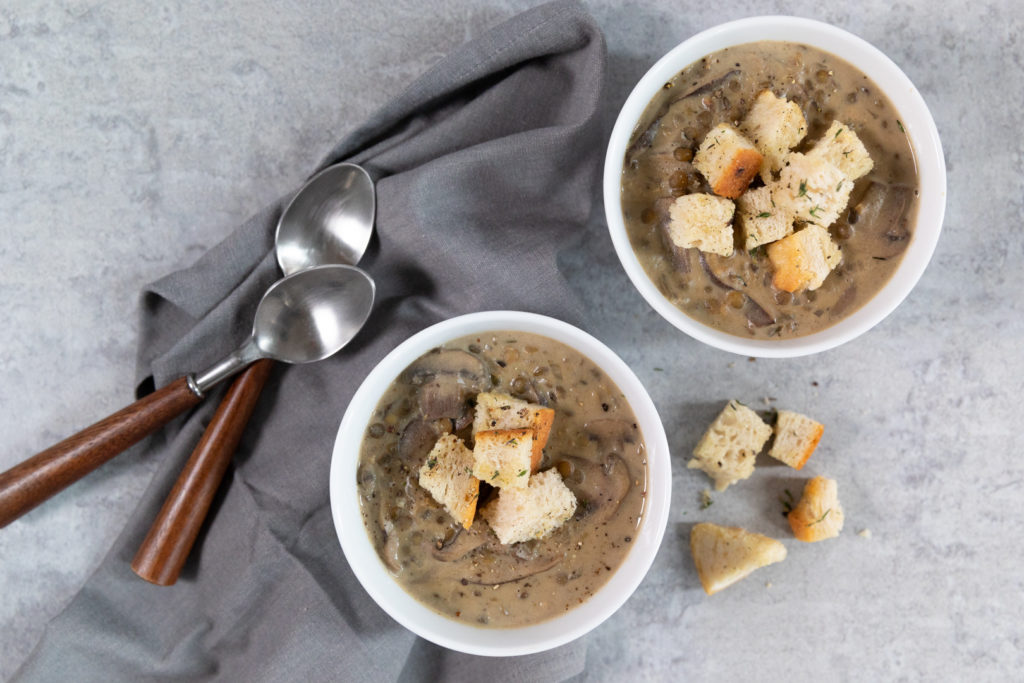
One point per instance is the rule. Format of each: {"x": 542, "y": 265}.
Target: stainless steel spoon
{"x": 302, "y": 318}
{"x": 330, "y": 220}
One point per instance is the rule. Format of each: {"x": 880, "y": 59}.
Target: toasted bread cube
{"x": 804, "y": 259}
{"x": 812, "y": 189}
{"x": 523, "y": 514}
{"x": 447, "y": 475}
{"x": 841, "y": 147}
{"x": 818, "y": 515}
{"x": 762, "y": 222}
{"x": 702, "y": 221}
{"x": 796, "y": 437}
{"x": 729, "y": 447}
{"x": 502, "y": 457}
{"x": 728, "y": 160}
{"x": 501, "y": 411}
{"x": 775, "y": 126}
{"x": 725, "y": 554}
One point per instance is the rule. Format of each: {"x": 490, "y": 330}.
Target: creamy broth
{"x": 735, "y": 293}
{"x": 595, "y": 444}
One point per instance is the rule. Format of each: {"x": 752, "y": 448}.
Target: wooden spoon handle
{"x": 29, "y": 483}
{"x": 170, "y": 539}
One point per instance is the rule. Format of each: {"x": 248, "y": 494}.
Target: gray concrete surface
{"x": 133, "y": 136}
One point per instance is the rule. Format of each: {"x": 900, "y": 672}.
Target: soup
{"x": 595, "y": 445}
{"x": 736, "y": 293}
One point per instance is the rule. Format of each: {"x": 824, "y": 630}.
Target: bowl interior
{"x": 915, "y": 117}
{"x": 422, "y": 620}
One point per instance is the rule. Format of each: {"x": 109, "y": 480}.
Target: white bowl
{"x": 914, "y": 115}
{"x": 422, "y": 620}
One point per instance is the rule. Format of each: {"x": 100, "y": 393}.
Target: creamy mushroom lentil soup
{"x": 735, "y": 294}
{"x": 595, "y": 444}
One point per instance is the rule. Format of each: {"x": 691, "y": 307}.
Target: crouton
{"x": 841, "y": 147}
{"x": 775, "y": 126}
{"x": 818, "y": 515}
{"x": 725, "y": 554}
{"x": 804, "y": 259}
{"x": 447, "y": 475}
{"x": 728, "y": 160}
{"x": 702, "y": 221}
{"x": 502, "y": 457}
{"x": 761, "y": 221}
{"x": 796, "y": 437}
{"x": 523, "y": 514}
{"x": 729, "y": 447}
{"x": 501, "y": 411}
{"x": 812, "y": 189}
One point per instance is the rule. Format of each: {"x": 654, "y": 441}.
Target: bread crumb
{"x": 865, "y": 533}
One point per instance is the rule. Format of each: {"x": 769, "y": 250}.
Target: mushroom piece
{"x": 446, "y": 379}
{"x": 881, "y": 211}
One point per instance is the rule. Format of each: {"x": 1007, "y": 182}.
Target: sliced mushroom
{"x": 881, "y": 211}
{"x": 418, "y": 437}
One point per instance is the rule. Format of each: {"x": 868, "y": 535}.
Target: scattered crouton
{"x": 730, "y": 445}
{"x": 502, "y": 457}
{"x": 725, "y": 554}
{"x": 447, "y": 475}
{"x": 804, "y": 259}
{"x": 760, "y": 219}
{"x": 812, "y": 189}
{"x": 728, "y": 160}
{"x": 531, "y": 512}
{"x": 775, "y": 126}
{"x": 702, "y": 221}
{"x": 841, "y": 147}
{"x": 796, "y": 437}
{"x": 501, "y": 411}
{"x": 818, "y": 515}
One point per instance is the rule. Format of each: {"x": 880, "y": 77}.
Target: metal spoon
{"x": 302, "y": 318}
{"x": 329, "y": 220}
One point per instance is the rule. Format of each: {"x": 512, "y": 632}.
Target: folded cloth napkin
{"x": 485, "y": 166}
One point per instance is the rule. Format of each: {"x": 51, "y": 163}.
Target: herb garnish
{"x": 837, "y": 133}
{"x": 814, "y": 211}
{"x": 512, "y": 442}
{"x": 900, "y": 125}
{"x": 803, "y": 188}
{"x": 522, "y": 473}
{"x": 495, "y": 475}
{"x": 822, "y": 518}
{"x": 705, "y": 499}
{"x": 432, "y": 463}
{"x": 839, "y": 185}
{"x": 787, "y": 503}
{"x": 764, "y": 214}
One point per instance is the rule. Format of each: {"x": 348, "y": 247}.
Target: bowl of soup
{"x": 453, "y": 581}
{"x": 882, "y": 236}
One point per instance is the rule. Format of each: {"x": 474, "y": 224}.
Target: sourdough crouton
{"x": 812, "y": 189}
{"x": 728, "y": 160}
{"x": 447, "y": 475}
{"x": 501, "y": 411}
{"x": 761, "y": 221}
{"x": 730, "y": 445}
{"x": 818, "y": 515}
{"x": 725, "y": 554}
{"x": 796, "y": 437}
{"x": 804, "y": 259}
{"x": 522, "y": 514}
{"x": 502, "y": 457}
{"x": 841, "y": 147}
{"x": 775, "y": 126}
{"x": 702, "y": 221}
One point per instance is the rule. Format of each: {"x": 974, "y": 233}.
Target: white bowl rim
{"x": 914, "y": 115}
{"x": 422, "y": 620}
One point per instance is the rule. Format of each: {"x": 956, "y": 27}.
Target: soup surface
{"x": 595, "y": 444}
{"x": 735, "y": 294}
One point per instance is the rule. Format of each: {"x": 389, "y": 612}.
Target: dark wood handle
{"x": 170, "y": 539}
{"x": 29, "y": 483}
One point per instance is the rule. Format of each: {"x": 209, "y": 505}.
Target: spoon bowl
{"x": 330, "y": 220}
{"x": 313, "y": 313}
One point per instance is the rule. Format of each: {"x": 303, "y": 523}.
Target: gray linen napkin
{"x": 485, "y": 167}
